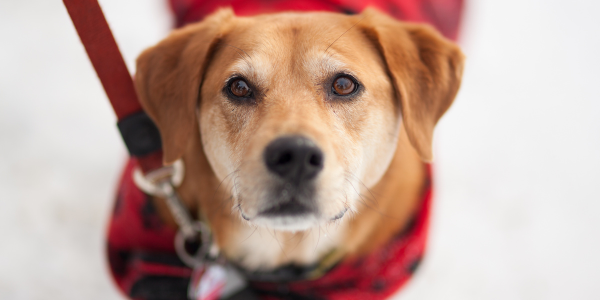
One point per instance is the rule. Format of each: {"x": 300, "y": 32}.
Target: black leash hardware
{"x": 140, "y": 134}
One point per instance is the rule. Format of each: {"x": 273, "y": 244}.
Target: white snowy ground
{"x": 518, "y": 155}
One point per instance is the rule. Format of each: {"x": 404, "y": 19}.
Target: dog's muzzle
{"x": 295, "y": 162}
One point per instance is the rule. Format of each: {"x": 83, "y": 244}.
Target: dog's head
{"x": 298, "y": 112}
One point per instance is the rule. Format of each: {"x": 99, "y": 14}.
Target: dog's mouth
{"x": 340, "y": 215}
{"x": 292, "y": 215}
{"x": 283, "y": 213}
{"x": 290, "y": 208}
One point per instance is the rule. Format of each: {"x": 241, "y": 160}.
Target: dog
{"x": 302, "y": 134}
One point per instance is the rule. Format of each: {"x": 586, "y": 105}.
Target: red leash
{"x": 104, "y": 53}
{"x": 139, "y": 132}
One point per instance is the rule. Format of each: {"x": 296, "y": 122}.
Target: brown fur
{"x": 411, "y": 75}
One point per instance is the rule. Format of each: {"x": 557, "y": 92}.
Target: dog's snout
{"x": 294, "y": 158}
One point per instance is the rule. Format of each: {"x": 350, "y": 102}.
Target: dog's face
{"x": 300, "y": 127}
{"x": 298, "y": 113}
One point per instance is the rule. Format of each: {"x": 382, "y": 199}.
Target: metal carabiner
{"x": 202, "y": 255}
{"x": 162, "y": 183}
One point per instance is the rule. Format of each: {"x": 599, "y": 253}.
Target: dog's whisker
{"x": 318, "y": 240}
{"x": 251, "y": 234}
{"x": 368, "y": 206}
{"x": 221, "y": 182}
{"x": 366, "y": 187}
{"x": 362, "y": 196}
{"x": 274, "y": 235}
{"x": 327, "y": 234}
{"x": 239, "y": 49}
{"x": 343, "y": 34}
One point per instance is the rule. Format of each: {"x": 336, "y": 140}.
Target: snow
{"x": 517, "y": 156}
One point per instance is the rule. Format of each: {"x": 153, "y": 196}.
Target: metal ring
{"x": 148, "y": 183}
{"x": 199, "y": 258}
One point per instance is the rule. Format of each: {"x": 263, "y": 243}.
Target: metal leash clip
{"x": 162, "y": 183}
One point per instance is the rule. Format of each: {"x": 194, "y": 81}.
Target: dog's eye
{"x": 343, "y": 86}
{"x": 240, "y": 88}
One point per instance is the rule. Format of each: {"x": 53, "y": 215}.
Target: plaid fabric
{"x": 144, "y": 264}
{"x": 140, "y": 247}
{"x": 375, "y": 276}
{"x": 445, "y": 15}
{"x": 141, "y": 251}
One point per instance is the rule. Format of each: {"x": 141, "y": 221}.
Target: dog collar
{"x": 145, "y": 266}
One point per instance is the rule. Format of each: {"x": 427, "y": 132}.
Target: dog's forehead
{"x": 261, "y": 66}
{"x": 312, "y": 43}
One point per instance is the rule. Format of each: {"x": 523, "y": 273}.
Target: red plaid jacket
{"x": 445, "y": 15}
{"x": 140, "y": 248}
{"x": 145, "y": 266}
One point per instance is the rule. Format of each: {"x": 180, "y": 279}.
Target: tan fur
{"x": 373, "y": 145}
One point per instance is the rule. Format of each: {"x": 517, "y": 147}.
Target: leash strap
{"x": 137, "y": 130}
{"x": 142, "y": 139}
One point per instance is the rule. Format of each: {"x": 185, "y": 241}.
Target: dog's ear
{"x": 169, "y": 76}
{"x": 425, "y": 69}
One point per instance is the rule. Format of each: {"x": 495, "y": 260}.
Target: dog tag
{"x": 235, "y": 282}
{"x": 213, "y": 281}
{"x": 207, "y": 282}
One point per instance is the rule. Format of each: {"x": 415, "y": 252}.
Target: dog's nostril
{"x": 294, "y": 158}
{"x": 284, "y": 158}
{"x": 315, "y": 160}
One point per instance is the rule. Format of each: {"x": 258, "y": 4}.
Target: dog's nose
{"x": 294, "y": 158}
